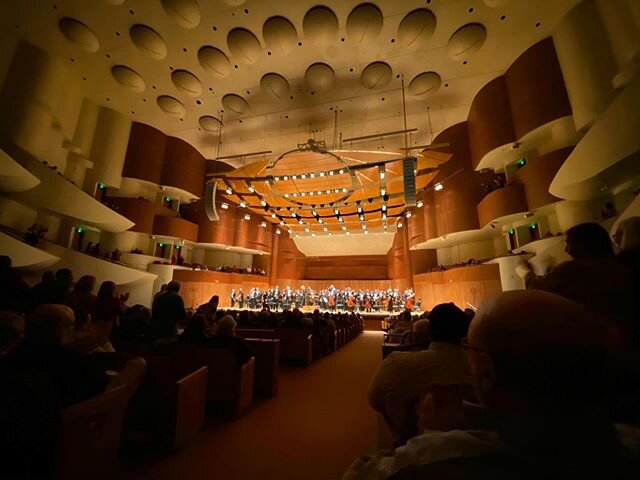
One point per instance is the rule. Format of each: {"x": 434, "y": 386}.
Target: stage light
{"x": 306, "y": 230}
{"x": 319, "y": 192}
{"x": 344, "y": 190}
{"x": 293, "y": 214}
{"x": 278, "y": 231}
{"x": 336, "y": 211}
{"x": 399, "y": 224}
{"x": 340, "y": 220}
{"x": 384, "y": 208}
{"x": 293, "y": 177}
{"x": 408, "y": 214}
{"x": 276, "y": 178}
{"x": 300, "y": 221}
{"x": 341, "y": 171}
{"x": 366, "y": 232}
{"x": 330, "y": 233}
{"x": 364, "y": 227}
{"x": 286, "y": 195}
{"x": 243, "y": 205}
{"x": 314, "y": 213}
{"x": 344, "y": 228}
{"x": 273, "y": 215}
{"x": 282, "y": 222}
{"x": 302, "y": 194}
{"x": 229, "y": 191}
{"x": 263, "y": 224}
{"x": 322, "y": 174}
{"x": 247, "y": 217}
{"x": 438, "y": 186}
{"x": 331, "y": 172}
{"x": 224, "y": 206}
{"x": 359, "y": 209}
{"x": 312, "y": 175}
{"x": 362, "y": 217}
{"x": 285, "y": 178}
{"x": 327, "y": 192}
{"x": 337, "y": 190}
{"x": 325, "y": 229}
{"x": 313, "y": 234}
{"x": 251, "y": 189}
{"x": 303, "y": 176}
{"x": 420, "y": 204}
{"x": 310, "y": 193}
{"x": 348, "y": 233}
{"x": 383, "y": 192}
{"x": 295, "y": 194}
{"x": 263, "y": 203}
{"x": 320, "y": 221}
{"x": 384, "y": 215}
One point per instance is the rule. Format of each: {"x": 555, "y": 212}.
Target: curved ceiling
{"x": 175, "y": 60}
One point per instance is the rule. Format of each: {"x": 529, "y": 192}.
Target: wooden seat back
{"x": 190, "y": 399}
{"x": 297, "y": 345}
{"x": 267, "y": 353}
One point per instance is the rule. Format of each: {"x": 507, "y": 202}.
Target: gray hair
{"x": 50, "y": 325}
{"x": 226, "y": 326}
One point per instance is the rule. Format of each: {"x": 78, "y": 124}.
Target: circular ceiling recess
{"x": 186, "y": 82}
{"x": 214, "y": 60}
{"x": 364, "y": 23}
{"x": 244, "y": 44}
{"x": 171, "y": 106}
{"x": 114, "y": 2}
{"x": 495, "y": 3}
{"x": 376, "y": 75}
{"x": 275, "y": 85}
{"x": 320, "y": 25}
{"x": 466, "y": 41}
{"x": 127, "y": 77}
{"x": 415, "y": 30}
{"x": 148, "y": 41}
{"x": 185, "y": 13}
{"x": 280, "y": 35}
{"x": 235, "y": 103}
{"x": 209, "y": 123}
{"x": 77, "y": 32}
{"x": 320, "y": 77}
{"x": 425, "y": 83}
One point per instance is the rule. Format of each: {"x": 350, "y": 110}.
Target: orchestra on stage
{"x": 330, "y": 299}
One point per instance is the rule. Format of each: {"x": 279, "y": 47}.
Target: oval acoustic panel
{"x": 186, "y": 82}
{"x": 127, "y": 77}
{"x": 275, "y": 85}
{"x": 185, "y": 13}
{"x": 148, "y": 41}
{"x": 320, "y": 25}
{"x": 77, "y": 32}
{"x": 244, "y": 44}
{"x": 425, "y": 83}
{"x": 235, "y": 103}
{"x": 415, "y": 30}
{"x": 214, "y": 60}
{"x": 210, "y": 124}
{"x": 280, "y": 35}
{"x": 495, "y": 3}
{"x": 364, "y": 23}
{"x": 466, "y": 41}
{"x": 171, "y": 106}
{"x": 320, "y": 77}
{"x": 376, "y": 75}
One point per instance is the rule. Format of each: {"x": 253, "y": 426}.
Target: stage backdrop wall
{"x": 461, "y": 286}
{"x": 197, "y": 286}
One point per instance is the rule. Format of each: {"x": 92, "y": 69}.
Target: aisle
{"x": 319, "y": 422}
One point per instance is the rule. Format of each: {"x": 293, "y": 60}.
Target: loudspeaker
{"x": 409, "y": 178}
{"x": 210, "y": 190}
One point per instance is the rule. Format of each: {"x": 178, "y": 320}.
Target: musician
{"x": 367, "y": 303}
{"x": 241, "y": 299}
{"x": 233, "y": 297}
{"x": 331, "y": 301}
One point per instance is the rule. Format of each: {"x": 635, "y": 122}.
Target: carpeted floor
{"x": 313, "y": 429}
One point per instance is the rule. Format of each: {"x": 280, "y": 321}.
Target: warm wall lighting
{"x": 438, "y": 186}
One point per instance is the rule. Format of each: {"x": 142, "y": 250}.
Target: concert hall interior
{"x": 213, "y": 171}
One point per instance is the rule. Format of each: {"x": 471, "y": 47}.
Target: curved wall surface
{"x": 490, "y": 120}
{"x": 175, "y": 227}
{"x": 536, "y": 176}
{"x": 139, "y": 210}
{"x": 183, "y": 167}
{"x": 499, "y": 203}
{"x": 537, "y": 92}
{"x": 145, "y": 154}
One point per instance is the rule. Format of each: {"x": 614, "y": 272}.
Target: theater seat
{"x": 297, "y": 345}
{"x": 89, "y": 436}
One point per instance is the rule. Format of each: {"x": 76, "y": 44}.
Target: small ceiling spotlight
{"x": 263, "y": 224}
{"x": 303, "y": 176}
{"x": 382, "y": 172}
{"x": 251, "y": 189}
{"x": 322, "y": 174}
{"x": 408, "y": 214}
{"x": 384, "y": 208}
{"x": 320, "y": 221}
{"x": 300, "y": 221}
{"x": 313, "y": 234}
{"x": 278, "y": 231}
{"x": 306, "y": 230}
{"x": 312, "y": 175}
{"x": 330, "y": 233}
{"x": 243, "y": 205}
{"x": 331, "y": 172}
{"x": 383, "y": 192}
{"x": 229, "y": 191}
{"x": 366, "y": 232}
{"x": 325, "y": 229}
{"x": 293, "y": 214}
{"x": 314, "y": 213}
{"x": 340, "y": 219}
{"x": 285, "y": 177}
{"x": 282, "y": 222}
{"x": 359, "y": 209}
{"x": 286, "y": 195}
{"x": 247, "y": 217}
{"x": 420, "y": 204}
{"x": 273, "y": 215}
{"x": 336, "y": 211}
{"x": 293, "y": 177}
{"x": 384, "y": 215}
{"x": 263, "y": 203}
{"x": 438, "y": 186}
{"x": 224, "y": 206}
{"x": 344, "y": 189}
{"x": 399, "y": 224}
{"x": 344, "y": 228}
{"x": 364, "y": 227}
{"x": 348, "y": 233}
{"x": 341, "y": 171}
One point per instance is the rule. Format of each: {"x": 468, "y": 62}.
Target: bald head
{"x": 541, "y": 345}
{"x": 50, "y": 325}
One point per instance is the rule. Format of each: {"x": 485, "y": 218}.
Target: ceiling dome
{"x": 214, "y": 60}
{"x": 280, "y": 35}
{"x": 78, "y": 33}
{"x": 364, "y": 23}
{"x": 425, "y": 83}
{"x": 185, "y": 13}
{"x": 235, "y": 103}
{"x": 209, "y": 123}
{"x": 415, "y": 30}
{"x": 320, "y": 25}
{"x": 244, "y": 44}
{"x": 148, "y": 41}
{"x": 376, "y": 75}
{"x": 127, "y": 77}
{"x": 320, "y": 77}
{"x": 466, "y": 41}
{"x": 275, "y": 85}
{"x": 171, "y": 106}
{"x": 186, "y": 82}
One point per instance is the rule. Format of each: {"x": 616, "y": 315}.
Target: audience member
{"x": 11, "y": 331}
{"x": 225, "y": 337}
{"x": 167, "y": 312}
{"x": 133, "y": 326}
{"x": 539, "y": 363}
{"x": 403, "y": 376}
{"x": 402, "y": 323}
{"x": 195, "y": 332}
{"x": 82, "y": 300}
{"x": 15, "y": 294}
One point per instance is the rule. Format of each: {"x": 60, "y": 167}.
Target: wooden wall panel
{"x": 463, "y": 285}
{"x": 291, "y": 261}
{"x": 504, "y": 201}
{"x": 416, "y": 228}
{"x": 396, "y": 258}
{"x": 221, "y": 232}
{"x": 249, "y": 233}
{"x": 423, "y": 260}
{"x": 145, "y": 154}
{"x": 183, "y": 167}
{"x": 454, "y": 205}
{"x": 175, "y": 227}
{"x": 361, "y": 267}
{"x": 197, "y": 287}
{"x": 536, "y": 88}
{"x": 490, "y": 120}
{"x": 139, "y": 210}
{"x": 536, "y": 176}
